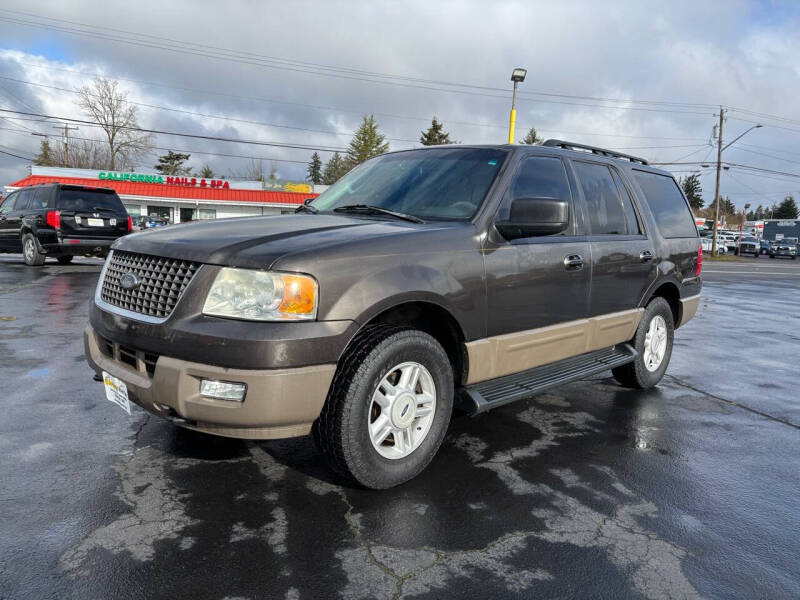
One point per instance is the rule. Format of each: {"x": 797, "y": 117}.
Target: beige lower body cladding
{"x": 279, "y": 402}
{"x": 514, "y": 352}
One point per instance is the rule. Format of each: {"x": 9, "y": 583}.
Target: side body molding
{"x": 515, "y": 352}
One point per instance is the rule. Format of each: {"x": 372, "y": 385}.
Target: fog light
{"x": 222, "y": 390}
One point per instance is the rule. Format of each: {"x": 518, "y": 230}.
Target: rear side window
{"x": 89, "y": 201}
{"x": 8, "y": 204}
{"x": 28, "y": 200}
{"x": 627, "y": 204}
{"x": 606, "y": 216}
{"x": 672, "y": 214}
{"x": 541, "y": 177}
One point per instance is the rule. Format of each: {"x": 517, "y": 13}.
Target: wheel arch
{"x": 669, "y": 291}
{"x": 430, "y": 317}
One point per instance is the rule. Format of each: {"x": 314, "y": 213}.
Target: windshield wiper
{"x": 306, "y": 208}
{"x": 369, "y": 208}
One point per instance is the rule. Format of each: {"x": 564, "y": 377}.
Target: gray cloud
{"x": 687, "y": 52}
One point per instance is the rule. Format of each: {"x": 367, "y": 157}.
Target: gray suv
{"x": 423, "y": 280}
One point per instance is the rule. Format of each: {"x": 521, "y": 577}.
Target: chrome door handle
{"x": 646, "y": 256}
{"x": 573, "y": 262}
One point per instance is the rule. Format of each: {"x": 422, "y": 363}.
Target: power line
{"x": 188, "y": 135}
{"x": 13, "y": 154}
{"x": 183, "y": 150}
{"x": 205, "y": 115}
{"x": 283, "y": 64}
{"x": 337, "y": 109}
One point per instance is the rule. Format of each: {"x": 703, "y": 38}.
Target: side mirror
{"x": 530, "y": 217}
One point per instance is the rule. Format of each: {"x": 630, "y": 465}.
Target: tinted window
{"x": 672, "y": 214}
{"x": 443, "y": 183}
{"x": 8, "y": 204}
{"x": 627, "y": 204}
{"x": 25, "y": 200}
{"x": 89, "y": 201}
{"x": 602, "y": 200}
{"x": 541, "y": 177}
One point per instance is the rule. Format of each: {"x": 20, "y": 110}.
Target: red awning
{"x": 178, "y": 192}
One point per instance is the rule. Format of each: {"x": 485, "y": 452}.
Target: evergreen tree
{"x": 334, "y": 169}
{"x": 726, "y": 206}
{"x": 367, "y": 143}
{"x": 314, "y": 172}
{"x": 531, "y": 137}
{"x": 172, "y": 163}
{"x": 435, "y": 135}
{"x": 787, "y": 209}
{"x": 694, "y": 193}
{"x": 206, "y": 172}
{"x": 46, "y": 156}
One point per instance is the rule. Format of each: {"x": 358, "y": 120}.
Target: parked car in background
{"x": 750, "y": 245}
{"x": 706, "y": 242}
{"x": 422, "y": 278}
{"x": 151, "y": 222}
{"x": 786, "y": 247}
{"x": 61, "y": 221}
{"x": 764, "y": 246}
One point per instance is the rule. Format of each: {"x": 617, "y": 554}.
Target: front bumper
{"x": 279, "y": 402}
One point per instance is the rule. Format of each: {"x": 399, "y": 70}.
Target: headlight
{"x": 262, "y": 296}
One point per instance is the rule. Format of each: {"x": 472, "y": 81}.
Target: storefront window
{"x": 206, "y": 213}
{"x": 133, "y": 210}
{"x": 165, "y": 212}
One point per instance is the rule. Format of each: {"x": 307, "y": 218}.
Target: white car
{"x": 721, "y": 245}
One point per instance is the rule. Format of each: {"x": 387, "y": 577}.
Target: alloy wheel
{"x": 402, "y": 410}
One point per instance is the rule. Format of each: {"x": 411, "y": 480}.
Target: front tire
{"x": 653, "y": 344}
{"x": 388, "y": 408}
{"x": 30, "y": 251}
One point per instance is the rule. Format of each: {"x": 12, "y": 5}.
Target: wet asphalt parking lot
{"x": 593, "y": 490}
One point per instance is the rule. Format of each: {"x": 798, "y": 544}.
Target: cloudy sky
{"x": 640, "y": 77}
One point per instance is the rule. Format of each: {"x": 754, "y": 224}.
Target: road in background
{"x": 687, "y": 490}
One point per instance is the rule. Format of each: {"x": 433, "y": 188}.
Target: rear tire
{"x": 65, "y": 260}
{"x": 30, "y": 251}
{"x": 653, "y": 343}
{"x": 368, "y": 413}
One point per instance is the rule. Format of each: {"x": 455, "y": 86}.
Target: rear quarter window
{"x": 670, "y": 210}
{"x": 89, "y": 201}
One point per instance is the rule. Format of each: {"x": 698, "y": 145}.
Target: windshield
{"x": 89, "y": 201}
{"x": 436, "y": 183}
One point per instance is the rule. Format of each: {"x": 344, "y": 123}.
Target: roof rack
{"x": 593, "y": 150}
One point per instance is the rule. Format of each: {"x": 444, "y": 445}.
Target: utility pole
{"x": 719, "y": 173}
{"x": 65, "y": 129}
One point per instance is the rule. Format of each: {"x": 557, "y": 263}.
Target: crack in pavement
{"x": 689, "y": 386}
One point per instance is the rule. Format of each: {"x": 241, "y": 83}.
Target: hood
{"x": 256, "y": 242}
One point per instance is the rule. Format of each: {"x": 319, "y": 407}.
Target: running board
{"x": 486, "y": 395}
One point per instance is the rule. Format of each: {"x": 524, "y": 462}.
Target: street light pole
{"x": 517, "y": 76}
{"x": 720, "y": 148}
{"x": 741, "y": 229}
{"x": 719, "y": 174}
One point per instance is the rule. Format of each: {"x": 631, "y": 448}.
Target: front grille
{"x": 162, "y": 282}
{"x": 137, "y": 359}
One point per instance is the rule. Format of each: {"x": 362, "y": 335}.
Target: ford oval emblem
{"x": 130, "y": 281}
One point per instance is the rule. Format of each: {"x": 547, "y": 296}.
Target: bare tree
{"x": 83, "y": 154}
{"x": 253, "y": 171}
{"x": 106, "y": 104}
